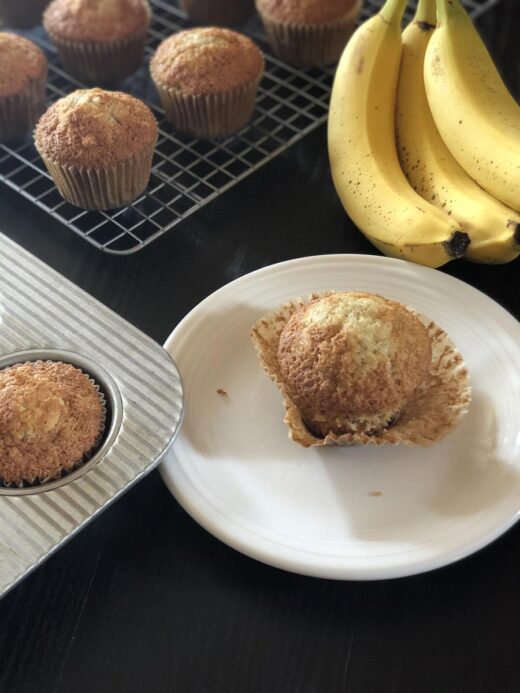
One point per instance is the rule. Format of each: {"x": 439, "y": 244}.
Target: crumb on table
{"x": 375, "y": 494}
{"x": 221, "y": 391}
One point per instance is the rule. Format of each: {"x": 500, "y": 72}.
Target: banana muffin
{"x": 308, "y": 32}
{"x": 99, "y": 41}
{"x": 98, "y": 147}
{"x": 22, "y": 14}
{"x": 23, "y": 76}
{"x": 355, "y": 368}
{"x": 51, "y": 417}
{"x": 351, "y": 361}
{"x": 207, "y": 80}
{"x": 219, "y": 12}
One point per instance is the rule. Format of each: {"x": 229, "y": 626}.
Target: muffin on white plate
{"x": 357, "y": 368}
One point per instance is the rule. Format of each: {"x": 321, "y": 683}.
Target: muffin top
{"x": 95, "y": 128}
{"x": 305, "y": 11}
{"x": 96, "y": 20}
{"x": 206, "y": 61}
{"x": 50, "y": 417}
{"x": 351, "y": 361}
{"x": 21, "y": 62}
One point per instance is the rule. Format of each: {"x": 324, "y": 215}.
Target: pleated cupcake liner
{"x": 40, "y": 481}
{"x": 434, "y": 410}
{"x": 307, "y": 45}
{"x": 209, "y": 115}
{"x": 20, "y": 112}
{"x": 97, "y": 63}
{"x": 102, "y": 188}
{"x": 223, "y": 13}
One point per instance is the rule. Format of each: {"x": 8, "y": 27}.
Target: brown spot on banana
{"x": 457, "y": 245}
{"x": 516, "y": 233}
{"x": 425, "y": 26}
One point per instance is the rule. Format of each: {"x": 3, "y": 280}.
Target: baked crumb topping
{"x": 51, "y": 415}
{"x": 95, "y": 128}
{"x": 96, "y": 20}
{"x": 206, "y": 61}
{"x": 21, "y": 62}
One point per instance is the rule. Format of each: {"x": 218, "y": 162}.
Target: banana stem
{"x": 392, "y": 12}
{"x": 426, "y": 12}
{"x": 446, "y": 8}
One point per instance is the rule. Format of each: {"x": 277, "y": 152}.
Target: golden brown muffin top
{"x": 305, "y": 11}
{"x": 206, "y": 61}
{"x": 21, "y": 62}
{"x": 50, "y": 417}
{"x": 352, "y": 360}
{"x": 94, "y": 128}
{"x": 96, "y": 20}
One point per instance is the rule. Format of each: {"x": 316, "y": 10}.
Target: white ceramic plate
{"x": 349, "y": 513}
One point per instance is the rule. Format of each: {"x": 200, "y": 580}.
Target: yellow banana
{"x": 428, "y": 164}
{"x": 477, "y": 117}
{"x": 363, "y": 156}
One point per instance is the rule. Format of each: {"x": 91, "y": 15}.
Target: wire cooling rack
{"x": 187, "y": 173}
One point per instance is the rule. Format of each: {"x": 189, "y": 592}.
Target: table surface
{"x": 144, "y": 600}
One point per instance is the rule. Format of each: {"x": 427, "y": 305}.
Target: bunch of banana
{"x": 431, "y": 168}
{"x": 417, "y": 203}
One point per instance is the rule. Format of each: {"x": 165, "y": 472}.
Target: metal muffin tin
{"x": 44, "y": 316}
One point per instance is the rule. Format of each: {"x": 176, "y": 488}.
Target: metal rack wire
{"x": 187, "y": 173}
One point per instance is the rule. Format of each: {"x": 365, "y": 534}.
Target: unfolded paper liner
{"x": 435, "y": 409}
{"x": 209, "y": 115}
{"x": 37, "y": 481}
{"x": 101, "y": 63}
{"x": 307, "y": 45}
{"x": 20, "y": 112}
{"x": 102, "y": 188}
{"x": 225, "y": 12}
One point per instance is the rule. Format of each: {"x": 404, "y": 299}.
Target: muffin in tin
{"x": 308, "y": 33}
{"x": 51, "y": 418}
{"x": 218, "y": 12}
{"x": 207, "y": 80}
{"x": 99, "y": 42}
{"x": 22, "y": 14}
{"x": 98, "y": 147}
{"x": 23, "y": 76}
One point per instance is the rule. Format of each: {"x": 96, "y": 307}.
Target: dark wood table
{"x": 144, "y": 600}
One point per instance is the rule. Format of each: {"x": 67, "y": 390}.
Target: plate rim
{"x": 223, "y": 529}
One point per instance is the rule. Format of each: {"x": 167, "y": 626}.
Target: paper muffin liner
{"x": 102, "y": 188}
{"x": 40, "y": 481}
{"x": 223, "y": 13}
{"x": 100, "y": 63}
{"x": 209, "y": 115}
{"x": 22, "y": 14}
{"x": 308, "y": 45}
{"x": 435, "y": 409}
{"x": 20, "y": 112}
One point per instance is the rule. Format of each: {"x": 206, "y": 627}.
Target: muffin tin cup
{"x": 96, "y": 63}
{"x": 308, "y": 45}
{"x": 93, "y": 188}
{"x": 20, "y": 112}
{"x": 110, "y": 400}
{"x": 209, "y": 115}
{"x": 227, "y": 13}
{"x": 40, "y": 481}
